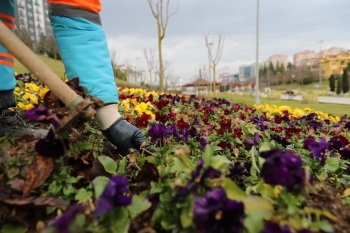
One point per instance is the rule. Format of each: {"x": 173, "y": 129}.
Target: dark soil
{"x": 329, "y": 198}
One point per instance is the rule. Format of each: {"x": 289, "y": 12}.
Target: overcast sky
{"x": 286, "y": 27}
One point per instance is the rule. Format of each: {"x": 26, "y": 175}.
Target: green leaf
{"x": 220, "y": 162}
{"x": 11, "y": 173}
{"x": 332, "y": 164}
{"x": 55, "y": 188}
{"x": 82, "y": 195}
{"x": 80, "y": 146}
{"x": 207, "y": 155}
{"x": 9, "y": 228}
{"x": 99, "y": 183}
{"x": 254, "y": 223}
{"x": 109, "y": 164}
{"x": 186, "y": 214}
{"x": 139, "y": 204}
{"x": 179, "y": 166}
{"x": 323, "y": 175}
{"x": 122, "y": 221}
{"x": 232, "y": 190}
{"x": 122, "y": 166}
{"x": 265, "y": 146}
{"x": 254, "y": 205}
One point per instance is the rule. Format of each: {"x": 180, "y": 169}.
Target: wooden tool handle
{"x": 29, "y": 59}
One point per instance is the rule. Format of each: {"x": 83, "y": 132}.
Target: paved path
{"x": 321, "y": 99}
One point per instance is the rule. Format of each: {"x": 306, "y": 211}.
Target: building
{"x": 32, "y": 15}
{"x": 331, "y": 52}
{"x": 313, "y": 63}
{"x": 303, "y": 55}
{"x": 245, "y": 72}
{"x": 334, "y": 64}
{"x": 280, "y": 59}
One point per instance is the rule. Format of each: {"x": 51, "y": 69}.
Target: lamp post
{"x": 137, "y": 70}
{"x": 257, "y": 100}
{"x": 210, "y": 82}
{"x": 320, "y": 67}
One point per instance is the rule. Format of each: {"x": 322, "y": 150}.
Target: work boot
{"x": 12, "y": 123}
{"x": 124, "y": 136}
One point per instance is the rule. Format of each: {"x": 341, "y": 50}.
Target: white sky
{"x": 286, "y": 27}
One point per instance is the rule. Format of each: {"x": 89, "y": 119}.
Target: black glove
{"x": 124, "y": 136}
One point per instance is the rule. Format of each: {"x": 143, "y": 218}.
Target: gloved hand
{"x": 124, "y": 136}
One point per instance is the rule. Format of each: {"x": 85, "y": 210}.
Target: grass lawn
{"x": 58, "y": 67}
{"x": 334, "y": 109}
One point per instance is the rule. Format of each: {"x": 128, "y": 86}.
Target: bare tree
{"x": 166, "y": 65}
{"x": 214, "y": 61}
{"x": 114, "y": 60}
{"x": 162, "y": 16}
{"x": 150, "y": 62}
{"x": 168, "y": 72}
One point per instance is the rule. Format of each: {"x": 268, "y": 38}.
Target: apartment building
{"x": 334, "y": 64}
{"x": 278, "y": 59}
{"x": 32, "y": 15}
{"x": 303, "y": 55}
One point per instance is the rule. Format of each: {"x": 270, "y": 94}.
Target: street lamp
{"x": 137, "y": 68}
{"x": 210, "y": 82}
{"x": 257, "y": 100}
{"x": 320, "y": 68}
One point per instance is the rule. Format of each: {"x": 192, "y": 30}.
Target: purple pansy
{"x": 41, "y": 114}
{"x": 157, "y": 131}
{"x": 272, "y": 227}
{"x": 203, "y": 142}
{"x": 283, "y": 168}
{"x": 248, "y": 144}
{"x": 214, "y": 212}
{"x": 51, "y": 146}
{"x": 256, "y": 138}
{"x": 198, "y": 177}
{"x": 280, "y": 140}
{"x": 62, "y": 223}
{"x": 113, "y": 195}
{"x": 318, "y": 149}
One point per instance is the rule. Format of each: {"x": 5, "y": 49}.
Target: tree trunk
{"x": 161, "y": 67}
{"x": 214, "y": 78}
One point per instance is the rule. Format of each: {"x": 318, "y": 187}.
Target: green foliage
{"x": 332, "y": 83}
{"x": 345, "y": 81}
{"x": 339, "y": 85}
{"x": 119, "y": 74}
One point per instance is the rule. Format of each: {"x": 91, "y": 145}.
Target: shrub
{"x": 310, "y": 98}
{"x": 339, "y": 85}
{"x": 275, "y": 95}
{"x": 332, "y": 83}
{"x": 345, "y": 81}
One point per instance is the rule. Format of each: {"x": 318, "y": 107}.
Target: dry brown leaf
{"x": 38, "y": 201}
{"x": 184, "y": 151}
{"x": 39, "y": 171}
{"x": 236, "y": 152}
{"x": 17, "y": 184}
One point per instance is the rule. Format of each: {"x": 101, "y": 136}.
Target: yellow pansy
{"x": 43, "y": 91}
{"x": 134, "y": 101}
{"x": 31, "y": 98}
{"x": 31, "y": 87}
{"x": 25, "y": 106}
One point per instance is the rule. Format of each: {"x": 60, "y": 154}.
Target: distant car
{"x": 290, "y": 93}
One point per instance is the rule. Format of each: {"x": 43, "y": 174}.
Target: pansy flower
{"x": 113, "y": 195}
{"x": 214, "y": 212}
{"x": 62, "y": 223}
{"x": 283, "y": 168}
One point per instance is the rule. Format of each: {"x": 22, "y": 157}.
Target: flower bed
{"x": 212, "y": 166}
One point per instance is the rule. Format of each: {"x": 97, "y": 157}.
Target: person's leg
{"x": 10, "y": 122}
{"x": 83, "y": 47}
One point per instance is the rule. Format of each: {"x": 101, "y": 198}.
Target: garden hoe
{"x": 76, "y": 104}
